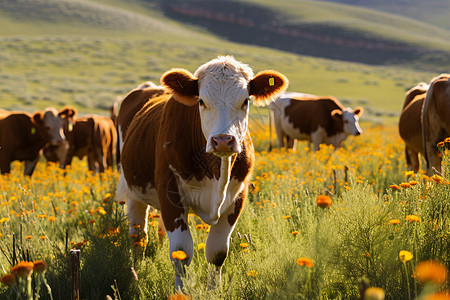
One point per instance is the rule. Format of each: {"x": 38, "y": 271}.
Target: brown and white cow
{"x": 191, "y": 150}
{"x": 436, "y": 120}
{"x": 130, "y": 105}
{"x": 22, "y": 136}
{"x": 93, "y": 136}
{"x": 313, "y": 118}
{"x": 410, "y": 125}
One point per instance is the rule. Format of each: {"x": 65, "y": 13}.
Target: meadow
{"x": 315, "y": 226}
{"x": 376, "y": 222}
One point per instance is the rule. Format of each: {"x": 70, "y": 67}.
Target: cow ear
{"x": 38, "y": 117}
{"x": 182, "y": 84}
{"x": 358, "y": 111}
{"x": 67, "y": 113}
{"x": 337, "y": 114}
{"x": 266, "y": 86}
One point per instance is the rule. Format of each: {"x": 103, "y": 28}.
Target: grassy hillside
{"x": 320, "y": 29}
{"x": 435, "y": 12}
{"x": 54, "y": 55}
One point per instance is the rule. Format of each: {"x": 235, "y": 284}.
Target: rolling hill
{"x": 88, "y": 53}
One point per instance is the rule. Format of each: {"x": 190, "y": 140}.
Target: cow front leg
{"x": 180, "y": 240}
{"x": 137, "y": 212}
{"x": 218, "y": 241}
{"x": 30, "y": 165}
{"x": 175, "y": 217}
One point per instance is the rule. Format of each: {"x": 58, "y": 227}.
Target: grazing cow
{"x": 92, "y": 136}
{"x": 191, "y": 150}
{"x": 316, "y": 119}
{"x": 410, "y": 125}
{"x": 22, "y": 136}
{"x": 436, "y": 120}
{"x": 131, "y": 104}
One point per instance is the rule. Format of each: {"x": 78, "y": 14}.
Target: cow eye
{"x": 245, "y": 104}
{"x": 201, "y": 102}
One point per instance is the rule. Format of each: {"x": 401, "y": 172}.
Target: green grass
{"x": 351, "y": 240}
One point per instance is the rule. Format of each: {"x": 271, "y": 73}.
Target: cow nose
{"x": 358, "y": 133}
{"x": 224, "y": 143}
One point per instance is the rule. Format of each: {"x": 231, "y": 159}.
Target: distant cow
{"x": 436, "y": 120}
{"x": 410, "y": 125}
{"x": 130, "y": 105}
{"x": 92, "y": 136}
{"x": 191, "y": 150}
{"x": 22, "y": 136}
{"x": 313, "y": 118}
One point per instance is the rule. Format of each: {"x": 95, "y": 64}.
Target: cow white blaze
{"x": 351, "y": 121}
{"x": 224, "y": 105}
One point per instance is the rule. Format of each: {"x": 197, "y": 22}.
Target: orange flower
{"x": 430, "y": 270}
{"x": 439, "y": 296}
{"x": 438, "y": 179}
{"x": 243, "y": 245}
{"x": 405, "y": 184}
{"x": 304, "y": 261}
{"x": 295, "y": 232}
{"x": 374, "y": 293}
{"x": 324, "y": 201}
{"x": 179, "y": 297}
{"x": 8, "y": 279}
{"x": 51, "y": 219}
{"x": 394, "y": 221}
{"x": 405, "y": 256}
{"x": 39, "y": 266}
{"x": 180, "y": 255}
{"x": 29, "y": 237}
{"x": 286, "y": 217}
{"x": 413, "y": 218}
{"x": 394, "y": 187}
{"x": 23, "y": 269}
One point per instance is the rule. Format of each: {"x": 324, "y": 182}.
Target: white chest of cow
{"x": 207, "y": 198}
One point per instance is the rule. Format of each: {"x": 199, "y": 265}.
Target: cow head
{"x": 49, "y": 126}
{"x": 349, "y": 119}
{"x": 223, "y": 89}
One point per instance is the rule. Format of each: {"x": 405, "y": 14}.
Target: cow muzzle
{"x": 224, "y": 145}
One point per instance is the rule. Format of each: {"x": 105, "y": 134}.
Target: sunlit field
{"x": 315, "y": 226}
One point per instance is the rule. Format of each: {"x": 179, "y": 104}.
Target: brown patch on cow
{"x": 134, "y": 102}
{"x": 308, "y": 114}
{"x": 435, "y": 120}
{"x": 238, "y": 206}
{"x": 219, "y": 258}
{"x": 410, "y": 125}
{"x": 413, "y": 93}
{"x": 265, "y": 85}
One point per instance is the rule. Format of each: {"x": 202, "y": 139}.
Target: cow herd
{"x": 59, "y": 135}
{"x": 425, "y": 121}
{"x": 185, "y": 146}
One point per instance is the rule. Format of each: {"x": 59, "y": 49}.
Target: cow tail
{"x": 425, "y": 107}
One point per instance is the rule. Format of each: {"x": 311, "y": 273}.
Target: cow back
{"x": 310, "y": 113}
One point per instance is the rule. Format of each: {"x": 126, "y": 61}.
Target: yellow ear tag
{"x": 33, "y": 130}
{"x": 271, "y": 81}
{"x": 70, "y": 127}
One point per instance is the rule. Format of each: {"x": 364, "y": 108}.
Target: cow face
{"x": 50, "y": 126}
{"x": 223, "y": 89}
{"x": 349, "y": 119}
